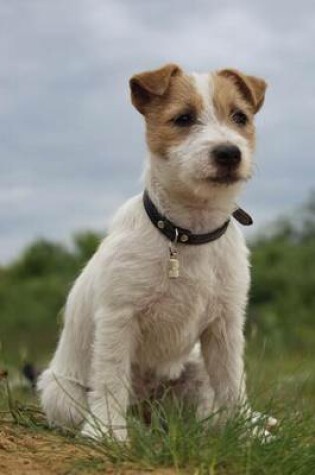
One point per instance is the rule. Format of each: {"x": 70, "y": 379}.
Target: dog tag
{"x": 173, "y": 268}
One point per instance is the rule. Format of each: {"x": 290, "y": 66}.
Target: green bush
{"x": 33, "y": 289}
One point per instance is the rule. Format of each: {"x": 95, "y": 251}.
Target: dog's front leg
{"x": 222, "y": 345}
{"x": 110, "y": 374}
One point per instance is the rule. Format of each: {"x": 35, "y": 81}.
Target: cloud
{"x": 72, "y": 147}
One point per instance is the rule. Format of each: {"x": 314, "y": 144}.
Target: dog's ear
{"x": 145, "y": 86}
{"x": 252, "y": 88}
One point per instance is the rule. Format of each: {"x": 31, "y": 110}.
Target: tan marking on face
{"x": 180, "y": 98}
{"x": 227, "y": 99}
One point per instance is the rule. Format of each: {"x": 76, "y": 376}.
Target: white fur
{"x": 124, "y": 315}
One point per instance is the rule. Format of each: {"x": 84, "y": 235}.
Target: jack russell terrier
{"x": 164, "y": 297}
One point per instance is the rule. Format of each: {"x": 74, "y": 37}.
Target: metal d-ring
{"x": 176, "y": 236}
{"x": 173, "y": 243}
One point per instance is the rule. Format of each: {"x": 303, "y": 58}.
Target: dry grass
{"x": 175, "y": 442}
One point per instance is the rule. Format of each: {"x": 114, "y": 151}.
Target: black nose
{"x": 226, "y": 155}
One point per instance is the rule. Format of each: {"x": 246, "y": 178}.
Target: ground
{"x": 175, "y": 442}
{"x": 27, "y": 452}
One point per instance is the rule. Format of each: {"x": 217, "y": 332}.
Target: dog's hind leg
{"x": 193, "y": 387}
{"x": 63, "y": 386}
{"x": 63, "y": 400}
{"x": 190, "y": 387}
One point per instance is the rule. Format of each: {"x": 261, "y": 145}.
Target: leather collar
{"x": 177, "y": 234}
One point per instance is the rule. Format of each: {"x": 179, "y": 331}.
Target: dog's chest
{"x": 177, "y": 310}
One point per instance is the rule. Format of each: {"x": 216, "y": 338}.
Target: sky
{"x": 71, "y": 145}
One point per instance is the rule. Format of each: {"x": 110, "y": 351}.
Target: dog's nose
{"x": 226, "y": 155}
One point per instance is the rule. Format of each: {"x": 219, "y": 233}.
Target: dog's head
{"x": 200, "y": 127}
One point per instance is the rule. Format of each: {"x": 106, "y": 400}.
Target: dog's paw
{"x": 261, "y": 426}
{"x": 269, "y": 422}
{"x": 96, "y": 431}
{"x": 262, "y": 435}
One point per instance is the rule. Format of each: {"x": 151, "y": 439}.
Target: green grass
{"x": 283, "y": 386}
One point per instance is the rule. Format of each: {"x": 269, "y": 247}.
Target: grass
{"x": 176, "y": 443}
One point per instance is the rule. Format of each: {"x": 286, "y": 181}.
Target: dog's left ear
{"x": 145, "y": 86}
{"x": 252, "y": 88}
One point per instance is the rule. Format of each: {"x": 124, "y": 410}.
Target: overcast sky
{"x": 72, "y": 146}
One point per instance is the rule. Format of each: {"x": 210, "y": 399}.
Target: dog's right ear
{"x": 145, "y": 86}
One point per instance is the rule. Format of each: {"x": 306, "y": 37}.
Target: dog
{"x": 164, "y": 297}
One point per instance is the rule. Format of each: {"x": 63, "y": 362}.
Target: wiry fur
{"x": 125, "y": 318}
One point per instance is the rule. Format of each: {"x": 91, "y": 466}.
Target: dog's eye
{"x": 239, "y": 118}
{"x": 184, "y": 120}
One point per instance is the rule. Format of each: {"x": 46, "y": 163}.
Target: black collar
{"x": 176, "y": 233}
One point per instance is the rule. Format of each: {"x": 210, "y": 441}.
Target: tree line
{"x": 33, "y": 289}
